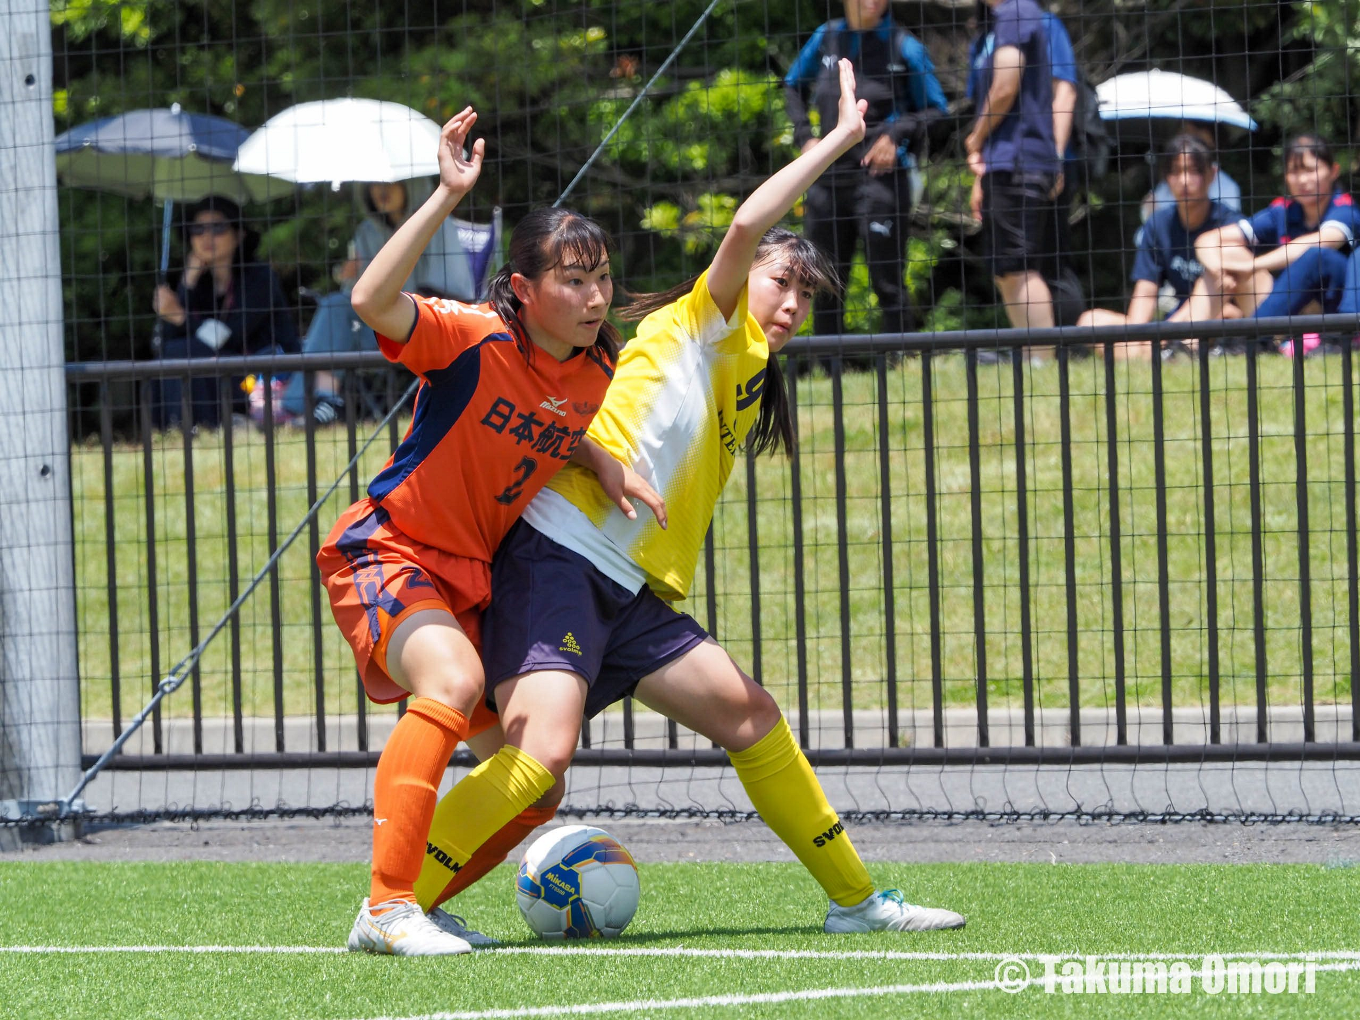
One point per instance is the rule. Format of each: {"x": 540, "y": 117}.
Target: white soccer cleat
{"x": 456, "y": 925}
{"x": 402, "y": 930}
{"x": 886, "y": 911}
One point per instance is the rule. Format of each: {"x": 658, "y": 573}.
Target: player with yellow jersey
{"x": 581, "y": 610}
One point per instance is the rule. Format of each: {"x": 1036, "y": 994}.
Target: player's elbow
{"x": 368, "y": 304}
{"x": 361, "y": 297}
{"x": 746, "y": 227}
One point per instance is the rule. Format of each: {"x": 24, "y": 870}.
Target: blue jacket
{"x": 893, "y": 72}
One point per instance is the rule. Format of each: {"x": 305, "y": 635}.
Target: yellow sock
{"x": 784, "y": 789}
{"x": 475, "y": 810}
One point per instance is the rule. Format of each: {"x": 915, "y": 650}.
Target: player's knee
{"x": 765, "y": 714}
{"x": 760, "y": 715}
{"x": 553, "y": 750}
{"x": 556, "y": 758}
{"x": 457, "y": 688}
{"x": 552, "y": 800}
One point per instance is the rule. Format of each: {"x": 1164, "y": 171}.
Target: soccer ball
{"x": 577, "y": 882}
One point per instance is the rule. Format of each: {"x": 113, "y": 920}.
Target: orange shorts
{"x": 376, "y": 577}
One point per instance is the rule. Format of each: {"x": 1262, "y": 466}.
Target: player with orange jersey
{"x": 507, "y": 391}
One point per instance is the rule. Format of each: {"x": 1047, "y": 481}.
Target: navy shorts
{"x": 1019, "y": 222}
{"x": 552, "y": 609}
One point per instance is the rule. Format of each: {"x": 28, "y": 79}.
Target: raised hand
{"x": 165, "y": 303}
{"x": 459, "y": 172}
{"x": 852, "y": 110}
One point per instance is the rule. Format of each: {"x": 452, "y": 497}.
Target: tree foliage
{"x": 551, "y": 78}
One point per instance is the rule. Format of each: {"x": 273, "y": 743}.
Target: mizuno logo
{"x": 569, "y": 644}
{"x": 379, "y": 821}
{"x": 439, "y": 855}
{"x": 881, "y": 228}
{"x": 829, "y": 60}
{"x": 826, "y": 837}
{"x": 555, "y": 406}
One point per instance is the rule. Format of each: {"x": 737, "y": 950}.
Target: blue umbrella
{"x": 165, "y": 154}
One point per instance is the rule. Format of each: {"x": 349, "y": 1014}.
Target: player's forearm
{"x": 767, "y": 205}
{"x": 1001, "y": 96}
{"x": 1143, "y": 303}
{"x": 1000, "y": 101}
{"x": 1064, "y": 110}
{"x": 1216, "y": 247}
{"x": 378, "y": 291}
{"x": 591, "y": 455}
{"x": 1287, "y": 254}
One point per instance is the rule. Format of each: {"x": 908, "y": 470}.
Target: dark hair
{"x": 1307, "y": 141}
{"x": 1192, "y": 148}
{"x": 802, "y": 258}
{"x": 373, "y": 209}
{"x": 246, "y": 240}
{"x": 544, "y": 239}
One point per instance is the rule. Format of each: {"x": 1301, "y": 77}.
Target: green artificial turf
{"x": 1193, "y": 909}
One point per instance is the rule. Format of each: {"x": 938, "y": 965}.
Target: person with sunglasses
{"x": 224, "y": 302}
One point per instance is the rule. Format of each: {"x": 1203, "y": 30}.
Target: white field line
{"x": 685, "y": 951}
{"x": 761, "y": 998}
{"x": 700, "y": 1002}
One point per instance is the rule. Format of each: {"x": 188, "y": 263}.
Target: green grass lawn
{"x": 824, "y": 592}
{"x": 767, "y": 908}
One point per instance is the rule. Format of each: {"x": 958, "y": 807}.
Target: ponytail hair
{"x": 800, "y": 258}
{"x": 644, "y": 305}
{"x": 542, "y": 240}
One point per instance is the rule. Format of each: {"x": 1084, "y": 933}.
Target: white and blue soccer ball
{"x": 577, "y": 882}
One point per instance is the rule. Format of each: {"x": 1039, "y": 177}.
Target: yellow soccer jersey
{"x": 685, "y": 393}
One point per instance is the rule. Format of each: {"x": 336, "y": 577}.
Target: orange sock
{"x": 495, "y": 849}
{"x": 405, "y": 788}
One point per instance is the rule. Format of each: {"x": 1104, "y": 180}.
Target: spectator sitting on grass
{"x": 1166, "y": 244}
{"x": 1222, "y": 188}
{"x": 224, "y": 303}
{"x": 1303, "y": 239}
{"x": 443, "y": 271}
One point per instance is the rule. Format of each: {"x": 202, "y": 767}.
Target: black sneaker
{"x": 327, "y": 408}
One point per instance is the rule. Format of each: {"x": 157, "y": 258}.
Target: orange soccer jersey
{"x": 490, "y": 428}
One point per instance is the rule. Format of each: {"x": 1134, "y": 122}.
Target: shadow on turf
{"x": 640, "y": 938}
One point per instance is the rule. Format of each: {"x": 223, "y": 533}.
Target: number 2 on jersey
{"x": 515, "y": 489}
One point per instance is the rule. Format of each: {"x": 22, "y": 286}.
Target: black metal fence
{"x": 972, "y": 558}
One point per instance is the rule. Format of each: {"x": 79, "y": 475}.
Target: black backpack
{"x": 1090, "y": 139}
{"x": 917, "y": 141}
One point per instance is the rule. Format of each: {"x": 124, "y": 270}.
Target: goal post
{"x": 39, "y": 687}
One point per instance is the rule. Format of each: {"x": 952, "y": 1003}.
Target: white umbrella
{"x": 339, "y": 140}
{"x": 1148, "y": 95}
